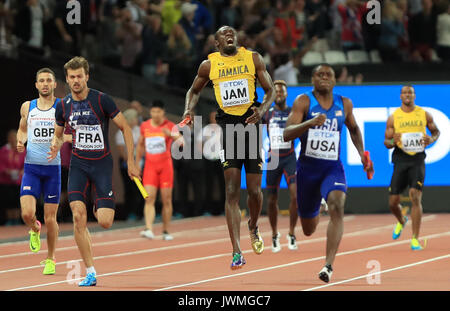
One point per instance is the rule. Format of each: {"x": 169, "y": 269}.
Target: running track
{"x": 198, "y": 259}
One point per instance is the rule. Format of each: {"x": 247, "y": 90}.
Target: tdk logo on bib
{"x": 233, "y": 83}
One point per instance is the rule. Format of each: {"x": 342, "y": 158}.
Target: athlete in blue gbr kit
{"x": 317, "y": 117}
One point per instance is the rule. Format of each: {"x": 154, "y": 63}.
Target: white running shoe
{"x": 292, "y": 242}
{"x": 147, "y": 234}
{"x": 276, "y": 246}
{"x": 325, "y": 273}
{"x": 167, "y": 237}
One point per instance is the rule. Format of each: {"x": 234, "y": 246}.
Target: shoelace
{"x": 44, "y": 262}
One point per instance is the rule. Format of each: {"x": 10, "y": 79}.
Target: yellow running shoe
{"x": 50, "y": 266}
{"x": 415, "y": 245}
{"x": 257, "y": 241}
{"x": 398, "y": 229}
{"x": 35, "y": 239}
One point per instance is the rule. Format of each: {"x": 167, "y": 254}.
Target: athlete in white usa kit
{"x": 36, "y": 127}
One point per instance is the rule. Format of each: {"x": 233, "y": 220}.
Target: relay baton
{"x": 141, "y": 187}
{"x": 370, "y": 171}
{"x": 185, "y": 121}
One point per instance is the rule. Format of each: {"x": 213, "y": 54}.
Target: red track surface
{"x": 199, "y": 258}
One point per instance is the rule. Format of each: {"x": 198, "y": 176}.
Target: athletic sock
{"x": 91, "y": 270}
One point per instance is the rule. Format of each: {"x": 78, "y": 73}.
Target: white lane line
{"x": 178, "y": 246}
{"x": 129, "y": 240}
{"x": 380, "y": 272}
{"x": 237, "y": 274}
{"x": 107, "y": 232}
{"x": 360, "y": 250}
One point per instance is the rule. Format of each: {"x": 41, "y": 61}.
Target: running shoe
{"x": 50, "y": 266}
{"x": 415, "y": 245}
{"x": 292, "y": 242}
{"x": 147, "y": 234}
{"x": 90, "y": 280}
{"x": 35, "y": 239}
{"x": 325, "y": 273}
{"x": 398, "y": 229}
{"x": 276, "y": 246}
{"x": 237, "y": 262}
{"x": 166, "y": 236}
{"x": 257, "y": 241}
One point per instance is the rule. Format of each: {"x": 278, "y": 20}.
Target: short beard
{"x": 78, "y": 92}
{"x": 230, "y": 49}
{"x": 280, "y": 103}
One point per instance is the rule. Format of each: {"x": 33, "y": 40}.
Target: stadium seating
{"x": 312, "y": 58}
{"x": 333, "y": 57}
{"x": 358, "y": 57}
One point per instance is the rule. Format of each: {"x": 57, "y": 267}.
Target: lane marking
{"x": 380, "y": 272}
{"x": 178, "y": 246}
{"x": 360, "y": 250}
{"x": 139, "y": 239}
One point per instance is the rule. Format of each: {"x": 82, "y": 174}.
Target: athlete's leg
{"x": 309, "y": 225}
{"x": 166, "y": 197}
{"x": 254, "y": 198}
{"x": 416, "y": 210}
{"x": 273, "y": 178}
{"x": 396, "y": 207}
{"x": 149, "y": 207}
{"x": 50, "y": 211}
{"x": 105, "y": 217}
{"x": 232, "y": 212}
{"x": 293, "y": 214}
{"x": 81, "y": 232}
{"x": 28, "y": 210}
{"x": 336, "y": 202}
{"x": 272, "y": 211}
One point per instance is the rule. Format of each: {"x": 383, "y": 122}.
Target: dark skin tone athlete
{"x": 226, "y": 43}
{"x": 408, "y": 96}
{"x": 272, "y": 198}
{"x": 324, "y": 80}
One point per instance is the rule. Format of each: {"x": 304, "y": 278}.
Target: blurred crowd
{"x": 165, "y": 40}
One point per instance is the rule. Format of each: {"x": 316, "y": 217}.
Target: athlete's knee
{"x": 27, "y": 215}
{"x": 232, "y": 193}
{"x": 254, "y": 193}
{"x": 105, "y": 223}
{"x": 50, "y": 219}
{"x": 309, "y": 225}
{"x": 335, "y": 209}
{"x": 272, "y": 201}
{"x": 105, "y": 217}
{"x": 308, "y": 231}
{"x": 415, "y": 196}
{"x": 79, "y": 218}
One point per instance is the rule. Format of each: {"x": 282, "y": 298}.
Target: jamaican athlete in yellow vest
{"x": 234, "y": 80}
{"x": 412, "y": 126}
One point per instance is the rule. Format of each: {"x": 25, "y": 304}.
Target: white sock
{"x": 91, "y": 270}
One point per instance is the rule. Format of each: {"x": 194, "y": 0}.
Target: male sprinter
{"x": 87, "y": 111}
{"x": 318, "y": 117}
{"x": 406, "y": 132}
{"x": 276, "y": 119}
{"x": 233, "y": 72}
{"x": 36, "y": 126}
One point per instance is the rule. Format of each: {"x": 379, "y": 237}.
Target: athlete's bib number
{"x": 276, "y": 138}
{"x": 412, "y": 142}
{"x": 234, "y": 92}
{"x": 155, "y": 144}
{"x": 322, "y": 144}
{"x": 89, "y": 137}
